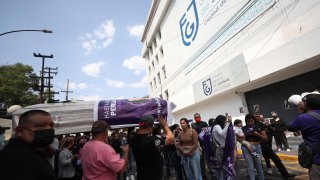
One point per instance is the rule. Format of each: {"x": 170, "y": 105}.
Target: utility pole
{"x": 55, "y": 72}
{"x": 42, "y": 73}
{"x": 67, "y": 91}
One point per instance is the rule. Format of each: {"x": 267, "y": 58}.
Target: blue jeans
{"x": 191, "y": 165}
{"x": 253, "y": 162}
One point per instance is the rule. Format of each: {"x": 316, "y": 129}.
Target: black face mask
{"x": 42, "y": 138}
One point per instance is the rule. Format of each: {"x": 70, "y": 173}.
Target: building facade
{"x": 229, "y": 56}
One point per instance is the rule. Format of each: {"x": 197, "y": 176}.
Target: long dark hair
{"x": 220, "y": 120}
{"x": 250, "y": 116}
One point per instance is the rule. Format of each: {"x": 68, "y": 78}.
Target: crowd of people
{"x": 154, "y": 151}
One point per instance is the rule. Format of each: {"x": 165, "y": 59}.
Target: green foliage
{"x": 17, "y": 85}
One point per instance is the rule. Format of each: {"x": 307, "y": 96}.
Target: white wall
{"x": 285, "y": 35}
{"x": 227, "y": 103}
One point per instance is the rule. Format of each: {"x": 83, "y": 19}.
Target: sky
{"x": 95, "y": 44}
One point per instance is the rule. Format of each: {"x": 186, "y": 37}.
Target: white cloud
{"x": 93, "y": 69}
{"x": 137, "y": 85}
{"x": 141, "y": 84}
{"x": 89, "y": 98}
{"x": 117, "y": 84}
{"x": 120, "y": 84}
{"x": 72, "y": 85}
{"x": 136, "y": 30}
{"x": 144, "y": 79}
{"x": 82, "y": 85}
{"x": 75, "y": 86}
{"x": 100, "y": 38}
{"x": 135, "y": 63}
{"x": 88, "y": 46}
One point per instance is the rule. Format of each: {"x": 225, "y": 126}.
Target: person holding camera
{"x": 308, "y": 122}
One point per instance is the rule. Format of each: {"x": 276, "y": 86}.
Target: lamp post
{"x": 43, "y": 30}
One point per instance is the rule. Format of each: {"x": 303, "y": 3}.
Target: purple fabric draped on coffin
{"x": 123, "y": 111}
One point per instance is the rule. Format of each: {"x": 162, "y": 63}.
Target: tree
{"x": 49, "y": 96}
{"x": 17, "y": 85}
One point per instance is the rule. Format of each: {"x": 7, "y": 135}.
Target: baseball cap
{"x": 146, "y": 121}
{"x": 99, "y": 126}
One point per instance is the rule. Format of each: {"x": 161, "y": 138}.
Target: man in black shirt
{"x": 24, "y": 156}
{"x": 268, "y": 153}
{"x": 198, "y": 125}
{"x": 147, "y": 148}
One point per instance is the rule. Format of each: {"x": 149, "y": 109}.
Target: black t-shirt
{"x": 198, "y": 126}
{"x": 18, "y": 160}
{"x": 248, "y": 132}
{"x": 147, "y": 151}
{"x": 116, "y": 146}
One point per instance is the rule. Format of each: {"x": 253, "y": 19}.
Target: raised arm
{"x": 167, "y": 131}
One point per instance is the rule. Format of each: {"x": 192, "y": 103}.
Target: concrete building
{"x": 230, "y": 56}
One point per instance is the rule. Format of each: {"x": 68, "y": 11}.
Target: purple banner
{"x": 228, "y": 155}
{"x": 228, "y": 152}
{"x": 125, "y": 111}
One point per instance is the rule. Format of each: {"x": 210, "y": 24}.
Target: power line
{"x": 67, "y": 91}
{"x": 42, "y": 73}
{"x": 55, "y": 72}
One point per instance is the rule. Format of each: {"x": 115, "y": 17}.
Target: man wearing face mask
{"x": 24, "y": 156}
{"x": 198, "y": 125}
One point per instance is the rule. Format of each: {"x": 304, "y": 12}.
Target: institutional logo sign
{"x": 207, "y": 87}
{"x": 189, "y": 24}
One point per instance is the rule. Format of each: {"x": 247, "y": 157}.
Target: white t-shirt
{"x": 220, "y": 134}
{"x": 238, "y": 130}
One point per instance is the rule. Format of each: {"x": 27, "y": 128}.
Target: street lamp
{"x": 43, "y": 30}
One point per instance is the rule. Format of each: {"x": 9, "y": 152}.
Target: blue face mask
{"x": 42, "y": 138}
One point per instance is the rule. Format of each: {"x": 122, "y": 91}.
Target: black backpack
{"x": 306, "y": 152}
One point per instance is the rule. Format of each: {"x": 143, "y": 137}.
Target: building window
{"x": 166, "y": 93}
{"x": 161, "y": 51}
{"x": 159, "y": 34}
{"x": 154, "y": 44}
{"x": 159, "y": 78}
{"x": 155, "y": 82}
{"x": 160, "y": 96}
{"x": 164, "y": 72}
{"x": 157, "y": 59}
{"x": 149, "y": 69}
{"x": 153, "y": 65}
{"x": 150, "y": 51}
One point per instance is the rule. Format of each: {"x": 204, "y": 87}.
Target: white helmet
{"x": 294, "y": 100}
